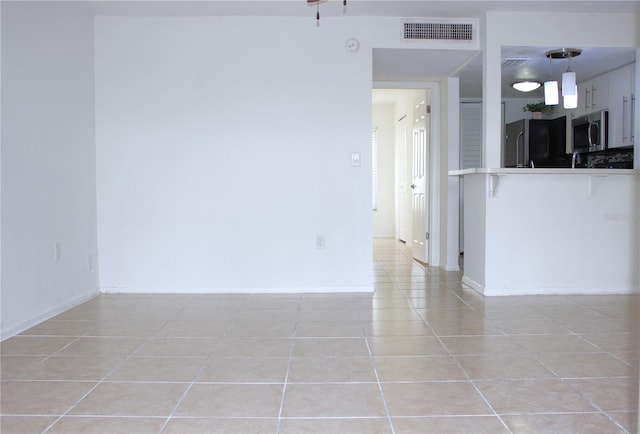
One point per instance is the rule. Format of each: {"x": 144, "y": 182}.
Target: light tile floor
{"x": 422, "y": 354}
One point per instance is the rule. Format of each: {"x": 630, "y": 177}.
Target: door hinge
{"x": 426, "y": 236}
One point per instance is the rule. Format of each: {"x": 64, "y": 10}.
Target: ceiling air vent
{"x": 437, "y": 31}
{"x": 513, "y": 62}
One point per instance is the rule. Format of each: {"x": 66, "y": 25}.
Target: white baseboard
{"x": 473, "y": 284}
{"x": 50, "y": 313}
{"x": 285, "y": 290}
{"x": 450, "y": 267}
{"x": 493, "y": 292}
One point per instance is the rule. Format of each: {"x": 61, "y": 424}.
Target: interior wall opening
{"x": 401, "y": 139}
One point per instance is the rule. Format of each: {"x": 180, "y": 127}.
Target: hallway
{"x": 422, "y": 354}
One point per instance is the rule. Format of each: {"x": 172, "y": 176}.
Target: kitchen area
{"x": 593, "y": 128}
{"x": 561, "y": 215}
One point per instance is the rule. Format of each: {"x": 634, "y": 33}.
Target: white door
{"x": 404, "y": 179}
{"x": 420, "y": 162}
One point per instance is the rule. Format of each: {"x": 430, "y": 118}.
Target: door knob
{"x": 413, "y": 186}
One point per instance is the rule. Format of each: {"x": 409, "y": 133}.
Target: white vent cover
{"x": 514, "y": 61}
{"x": 438, "y": 31}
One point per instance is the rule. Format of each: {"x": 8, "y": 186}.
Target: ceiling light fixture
{"x": 550, "y": 88}
{"x": 317, "y": 3}
{"x": 569, "y": 85}
{"x": 569, "y": 88}
{"x": 551, "y": 93}
{"x": 526, "y": 85}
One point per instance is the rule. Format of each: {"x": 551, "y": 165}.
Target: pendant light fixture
{"x": 569, "y": 85}
{"x": 317, "y": 2}
{"x": 569, "y": 88}
{"x": 551, "y": 93}
{"x": 570, "y": 101}
{"x": 550, "y": 88}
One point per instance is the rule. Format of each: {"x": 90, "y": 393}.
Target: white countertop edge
{"x": 542, "y": 171}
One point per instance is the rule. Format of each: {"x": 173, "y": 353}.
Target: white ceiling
{"x": 396, "y": 8}
{"x": 410, "y": 65}
{"x": 419, "y": 65}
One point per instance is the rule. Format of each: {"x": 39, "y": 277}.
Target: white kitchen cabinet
{"x": 599, "y": 94}
{"x": 593, "y": 96}
{"x": 621, "y": 107}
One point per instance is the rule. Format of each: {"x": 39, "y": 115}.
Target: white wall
{"x": 384, "y": 217}
{"x": 223, "y": 154}
{"x": 475, "y": 230}
{"x": 48, "y": 161}
{"x": 513, "y": 109}
{"x": 450, "y": 218}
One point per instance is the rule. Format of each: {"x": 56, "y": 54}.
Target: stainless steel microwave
{"x": 591, "y": 132}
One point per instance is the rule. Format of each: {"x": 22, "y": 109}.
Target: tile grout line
{"x": 536, "y": 358}
{"x": 597, "y": 407}
{"x": 199, "y": 372}
{"x": 373, "y": 362}
{"x": 484, "y": 398}
{"x": 118, "y": 366}
{"x": 102, "y": 380}
{"x": 433, "y": 295}
{"x": 286, "y": 376}
{"x": 378, "y": 382}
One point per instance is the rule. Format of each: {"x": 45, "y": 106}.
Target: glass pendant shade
{"x": 551, "y": 92}
{"x": 570, "y": 101}
{"x": 569, "y": 87}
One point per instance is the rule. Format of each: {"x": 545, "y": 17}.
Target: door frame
{"x": 434, "y": 226}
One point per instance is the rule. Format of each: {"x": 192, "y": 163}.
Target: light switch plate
{"x": 355, "y": 159}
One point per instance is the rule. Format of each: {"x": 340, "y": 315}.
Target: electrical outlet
{"x": 320, "y": 242}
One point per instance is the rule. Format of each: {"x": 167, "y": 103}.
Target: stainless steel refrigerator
{"x": 535, "y": 142}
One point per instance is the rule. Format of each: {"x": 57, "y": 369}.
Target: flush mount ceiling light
{"x": 526, "y": 85}
{"x": 569, "y": 86}
{"x": 317, "y": 3}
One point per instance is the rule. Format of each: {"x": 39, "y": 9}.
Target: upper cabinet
{"x": 598, "y": 95}
{"x": 621, "y": 106}
{"x": 593, "y": 96}
{"x": 615, "y": 92}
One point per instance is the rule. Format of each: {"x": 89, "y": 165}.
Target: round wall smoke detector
{"x": 352, "y": 45}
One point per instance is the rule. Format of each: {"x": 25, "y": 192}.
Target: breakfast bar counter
{"x": 551, "y": 231}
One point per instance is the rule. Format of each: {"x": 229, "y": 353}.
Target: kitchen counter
{"x": 544, "y": 171}
{"x": 551, "y": 231}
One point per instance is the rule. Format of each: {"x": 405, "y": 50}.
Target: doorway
{"x": 402, "y": 137}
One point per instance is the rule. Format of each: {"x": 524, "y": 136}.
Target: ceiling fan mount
{"x": 317, "y": 3}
